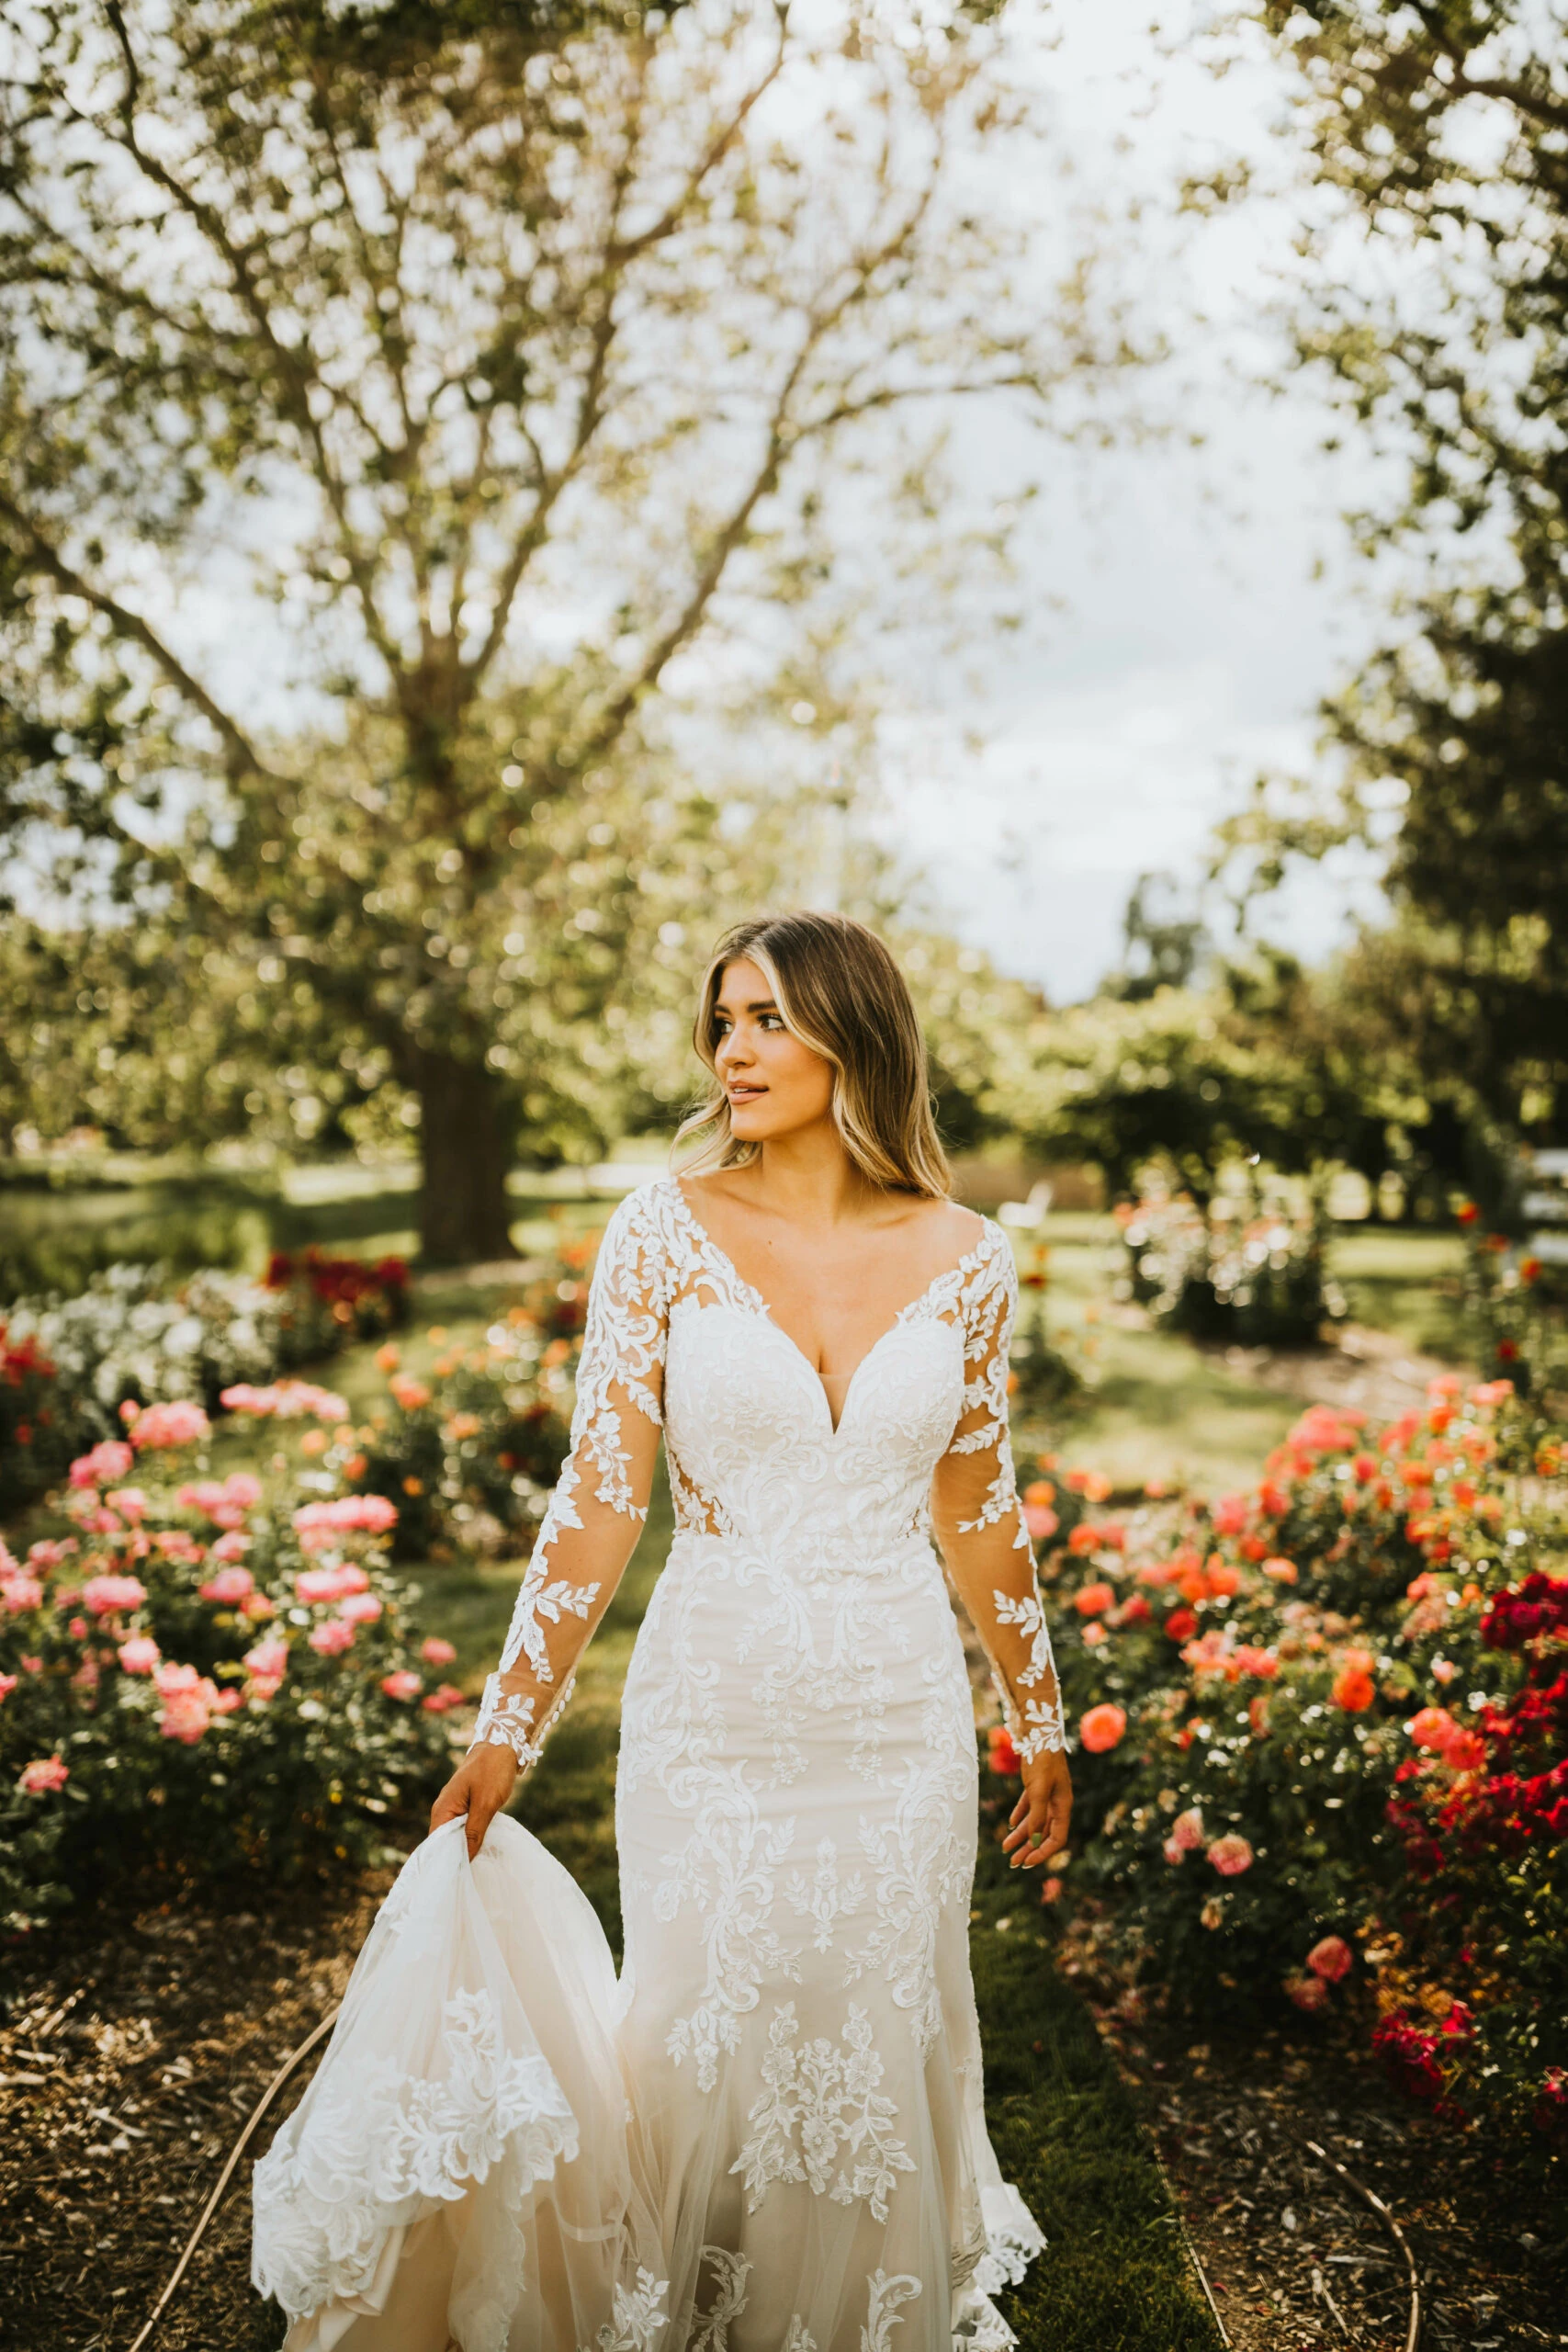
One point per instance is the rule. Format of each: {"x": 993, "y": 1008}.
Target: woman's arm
{"x": 590, "y": 1530}
{"x": 978, "y": 1522}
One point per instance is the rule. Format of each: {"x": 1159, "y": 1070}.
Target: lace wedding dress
{"x": 769, "y": 2136}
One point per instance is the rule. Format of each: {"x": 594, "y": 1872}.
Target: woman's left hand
{"x": 1043, "y": 1813}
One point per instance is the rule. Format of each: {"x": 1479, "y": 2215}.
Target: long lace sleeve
{"x": 596, "y": 1512}
{"x": 979, "y": 1520}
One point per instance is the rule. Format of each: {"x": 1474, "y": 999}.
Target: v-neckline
{"x": 760, "y": 1307}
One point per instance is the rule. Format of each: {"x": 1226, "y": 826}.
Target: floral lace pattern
{"x": 796, "y": 1786}
{"x": 376, "y": 2148}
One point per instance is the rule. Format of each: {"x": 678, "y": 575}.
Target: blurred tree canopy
{"x": 497, "y": 369}
{"x": 1442, "y": 134}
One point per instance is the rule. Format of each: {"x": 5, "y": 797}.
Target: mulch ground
{"x": 1293, "y": 2257}
{"x": 135, "y": 2043}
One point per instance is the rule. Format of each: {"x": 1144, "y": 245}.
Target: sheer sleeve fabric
{"x": 978, "y": 1517}
{"x": 597, "y": 1510}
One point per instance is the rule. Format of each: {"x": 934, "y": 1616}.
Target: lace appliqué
{"x": 1037, "y": 1725}
{"x": 322, "y": 2199}
{"x": 1030, "y": 1695}
{"x": 818, "y": 2101}
{"x": 636, "y": 2317}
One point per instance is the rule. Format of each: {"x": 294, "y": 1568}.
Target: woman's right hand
{"x": 479, "y": 1789}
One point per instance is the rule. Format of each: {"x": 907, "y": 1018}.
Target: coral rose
{"x": 1308, "y": 1993}
{"x": 401, "y": 1684}
{"x": 435, "y": 1652}
{"x": 332, "y": 1639}
{"x": 1332, "y": 1959}
{"x": 45, "y": 1777}
{"x": 140, "y": 1654}
{"x": 1094, "y": 1599}
{"x": 1187, "y": 1830}
{"x": 1101, "y": 1728}
{"x": 1231, "y": 1854}
{"x": 1002, "y": 1754}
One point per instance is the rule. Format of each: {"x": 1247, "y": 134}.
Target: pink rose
{"x": 231, "y": 1545}
{"x": 21, "y": 1592}
{"x": 1101, "y": 1727}
{"x": 1187, "y": 1830}
{"x": 8, "y": 1684}
{"x": 129, "y": 1501}
{"x": 435, "y": 1652}
{"x": 1040, "y": 1521}
{"x": 1172, "y": 1851}
{"x": 1231, "y": 1854}
{"x": 228, "y": 1587}
{"x": 111, "y": 1460}
{"x": 284, "y": 1400}
{"x": 359, "y": 1608}
{"x": 109, "y": 1596}
{"x": 185, "y": 1714}
{"x": 316, "y": 1585}
{"x": 1309, "y": 1993}
{"x": 402, "y": 1684}
{"x": 440, "y": 1701}
{"x": 1332, "y": 1959}
{"x": 269, "y": 1658}
{"x": 44, "y": 1778}
{"x": 257, "y": 1608}
{"x": 331, "y": 1639}
{"x": 162, "y": 1427}
{"x": 140, "y": 1654}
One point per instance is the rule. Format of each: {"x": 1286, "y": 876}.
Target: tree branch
{"x": 242, "y": 755}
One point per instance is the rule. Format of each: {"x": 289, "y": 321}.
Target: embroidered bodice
{"x": 677, "y": 1340}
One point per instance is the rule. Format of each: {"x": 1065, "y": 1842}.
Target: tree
{"x": 511, "y": 361}
{"x": 1258, "y": 1066}
{"x": 1441, "y": 134}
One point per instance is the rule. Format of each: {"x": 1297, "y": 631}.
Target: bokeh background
{"x": 490, "y": 495}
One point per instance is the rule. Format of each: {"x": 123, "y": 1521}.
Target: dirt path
{"x": 127, "y": 2063}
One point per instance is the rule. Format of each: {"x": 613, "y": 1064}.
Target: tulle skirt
{"x": 769, "y": 2135}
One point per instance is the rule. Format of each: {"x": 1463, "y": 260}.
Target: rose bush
{"x": 1254, "y": 1275}
{"x": 469, "y": 1448}
{"x": 1323, "y": 1730}
{"x": 211, "y": 1674}
{"x": 68, "y": 1365}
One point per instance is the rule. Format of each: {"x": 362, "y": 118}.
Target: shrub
{"x": 213, "y": 1675}
{"x": 37, "y": 1437}
{"x": 470, "y": 1450}
{"x": 1257, "y": 1279}
{"x": 1327, "y": 1715}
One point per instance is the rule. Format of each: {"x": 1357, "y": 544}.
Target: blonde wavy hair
{"x": 839, "y": 991}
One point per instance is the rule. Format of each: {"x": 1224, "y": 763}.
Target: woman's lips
{"x": 745, "y": 1093}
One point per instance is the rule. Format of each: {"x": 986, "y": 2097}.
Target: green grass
{"x": 1409, "y": 1283}
{"x": 1115, "y": 2277}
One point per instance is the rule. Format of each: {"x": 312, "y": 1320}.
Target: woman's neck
{"x": 809, "y": 1179}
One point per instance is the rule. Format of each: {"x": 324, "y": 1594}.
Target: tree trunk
{"x": 469, "y": 1132}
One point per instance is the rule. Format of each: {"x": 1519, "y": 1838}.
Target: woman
{"x": 823, "y": 1337}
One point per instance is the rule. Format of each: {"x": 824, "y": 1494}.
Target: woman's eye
{"x": 773, "y": 1020}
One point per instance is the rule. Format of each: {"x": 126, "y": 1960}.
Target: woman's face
{"x": 776, "y": 1085}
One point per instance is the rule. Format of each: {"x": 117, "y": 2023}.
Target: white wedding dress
{"x": 769, "y": 2135}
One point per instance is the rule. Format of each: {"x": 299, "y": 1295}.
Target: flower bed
{"x": 1323, "y": 1732}
{"x": 68, "y": 1366}
{"x": 207, "y": 1675}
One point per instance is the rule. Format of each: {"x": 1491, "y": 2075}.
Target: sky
{"x": 1210, "y": 598}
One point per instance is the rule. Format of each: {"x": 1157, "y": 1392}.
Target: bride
{"x": 769, "y": 2135}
